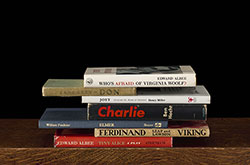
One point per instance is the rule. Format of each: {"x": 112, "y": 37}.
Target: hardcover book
{"x": 147, "y": 112}
{"x": 175, "y": 129}
{"x": 84, "y": 138}
{"x": 152, "y": 76}
{"x": 77, "y": 118}
{"x": 75, "y": 87}
{"x": 190, "y": 95}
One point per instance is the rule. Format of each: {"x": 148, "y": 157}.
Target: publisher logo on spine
{"x": 191, "y": 99}
{"x": 158, "y": 125}
{"x": 89, "y": 81}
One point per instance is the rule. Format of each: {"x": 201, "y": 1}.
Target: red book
{"x": 85, "y": 138}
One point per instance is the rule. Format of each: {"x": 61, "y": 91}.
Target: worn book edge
{"x": 74, "y": 87}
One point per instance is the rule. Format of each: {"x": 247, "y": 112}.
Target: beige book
{"x": 197, "y": 130}
{"x": 74, "y": 87}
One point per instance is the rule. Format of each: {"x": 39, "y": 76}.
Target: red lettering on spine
{"x": 125, "y": 113}
{"x": 110, "y": 111}
{"x": 100, "y": 111}
{"x": 121, "y": 83}
{"x": 135, "y": 112}
{"x": 140, "y": 113}
{"x": 131, "y": 112}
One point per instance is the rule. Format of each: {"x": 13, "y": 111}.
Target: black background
{"x": 39, "y": 46}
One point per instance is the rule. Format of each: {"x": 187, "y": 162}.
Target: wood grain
{"x": 21, "y": 142}
{"x": 125, "y": 156}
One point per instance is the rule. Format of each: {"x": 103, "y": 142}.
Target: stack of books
{"x": 128, "y": 107}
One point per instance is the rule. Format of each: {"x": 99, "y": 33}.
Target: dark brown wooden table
{"x": 21, "y": 142}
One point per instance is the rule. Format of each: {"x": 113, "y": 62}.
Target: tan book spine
{"x": 148, "y": 132}
{"x": 67, "y": 88}
{"x": 88, "y": 91}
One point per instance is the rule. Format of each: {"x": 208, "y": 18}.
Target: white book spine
{"x": 150, "y": 80}
{"x": 148, "y": 99}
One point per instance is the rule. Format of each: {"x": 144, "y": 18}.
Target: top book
{"x": 150, "y": 76}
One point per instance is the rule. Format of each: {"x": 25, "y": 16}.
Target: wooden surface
{"x": 21, "y": 142}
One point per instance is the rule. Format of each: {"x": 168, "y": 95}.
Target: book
{"x": 77, "y": 118}
{"x": 81, "y": 138}
{"x": 190, "y": 95}
{"x": 138, "y": 112}
{"x": 175, "y": 129}
{"x": 150, "y": 76}
{"x": 75, "y": 87}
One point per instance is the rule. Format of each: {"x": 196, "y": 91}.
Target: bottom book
{"x": 85, "y": 139}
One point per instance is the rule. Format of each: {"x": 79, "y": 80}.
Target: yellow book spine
{"x": 147, "y": 132}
